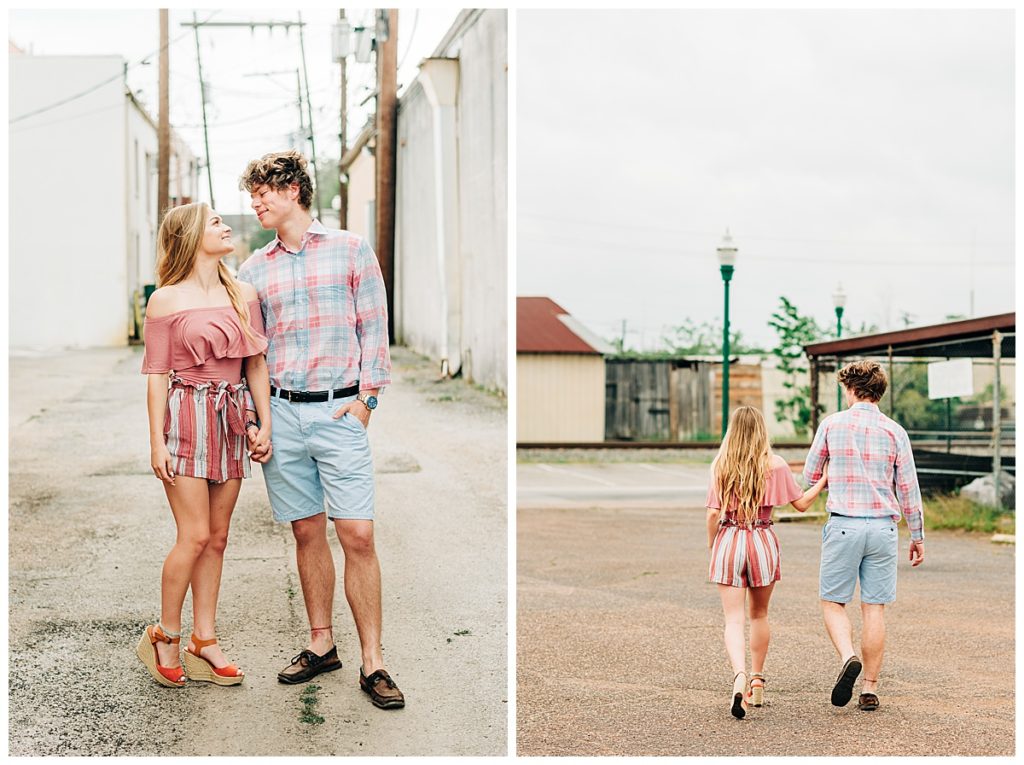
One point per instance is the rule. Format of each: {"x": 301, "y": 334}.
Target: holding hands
{"x": 260, "y": 448}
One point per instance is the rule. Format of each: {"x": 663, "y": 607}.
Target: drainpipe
{"x": 997, "y": 414}
{"x": 440, "y": 78}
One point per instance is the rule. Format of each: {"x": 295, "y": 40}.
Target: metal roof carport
{"x": 989, "y": 337}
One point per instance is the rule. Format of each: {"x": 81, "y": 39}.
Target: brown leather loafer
{"x": 308, "y": 665}
{"x": 382, "y": 689}
{"x": 842, "y": 691}
{"x": 868, "y": 702}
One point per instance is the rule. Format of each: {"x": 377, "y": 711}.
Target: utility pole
{"x": 250, "y": 25}
{"x": 309, "y": 110}
{"x": 298, "y": 90}
{"x": 202, "y": 92}
{"x": 163, "y": 159}
{"x": 343, "y": 137}
{"x": 387, "y": 133}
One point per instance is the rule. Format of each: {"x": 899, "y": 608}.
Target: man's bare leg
{"x": 316, "y": 575}
{"x": 362, "y": 587}
{"x": 872, "y": 643}
{"x": 837, "y": 623}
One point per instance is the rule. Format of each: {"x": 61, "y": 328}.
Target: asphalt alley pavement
{"x": 620, "y": 635}
{"x": 89, "y": 527}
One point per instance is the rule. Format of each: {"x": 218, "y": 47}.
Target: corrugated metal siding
{"x": 559, "y": 398}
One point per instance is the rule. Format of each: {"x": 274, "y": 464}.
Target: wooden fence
{"x": 672, "y": 400}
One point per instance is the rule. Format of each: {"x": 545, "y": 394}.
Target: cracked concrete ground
{"x": 89, "y": 527}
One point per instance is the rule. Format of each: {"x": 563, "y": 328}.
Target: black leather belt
{"x": 308, "y": 397}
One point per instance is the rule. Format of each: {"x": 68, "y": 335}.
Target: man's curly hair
{"x": 279, "y": 170}
{"x": 866, "y": 379}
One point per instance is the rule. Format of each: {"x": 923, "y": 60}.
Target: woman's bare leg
{"x": 735, "y": 645}
{"x": 190, "y": 504}
{"x": 760, "y": 632}
{"x": 206, "y": 574}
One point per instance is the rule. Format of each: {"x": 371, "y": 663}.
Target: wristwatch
{"x": 370, "y": 402}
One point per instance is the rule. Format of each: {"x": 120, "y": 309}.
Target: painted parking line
{"x": 657, "y": 469}
{"x": 584, "y": 476}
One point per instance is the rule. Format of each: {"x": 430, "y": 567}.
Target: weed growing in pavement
{"x": 290, "y": 592}
{"x": 309, "y": 701}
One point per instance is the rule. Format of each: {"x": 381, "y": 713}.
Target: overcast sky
{"x": 249, "y": 115}
{"x": 868, "y": 148}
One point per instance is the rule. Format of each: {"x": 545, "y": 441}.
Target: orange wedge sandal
{"x": 200, "y": 668}
{"x": 172, "y": 677}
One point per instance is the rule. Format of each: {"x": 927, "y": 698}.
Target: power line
{"x": 676, "y": 231}
{"x": 217, "y": 124}
{"x": 23, "y": 128}
{"x": 665, "y": 251}
{"x": 97, "y": 86}
{"x": 412, "y": 34}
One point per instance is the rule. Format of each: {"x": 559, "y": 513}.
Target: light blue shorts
{"x": 315, "y": 458}
{"x": 864, "y": 549}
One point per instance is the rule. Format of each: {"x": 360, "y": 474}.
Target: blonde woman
{"x": 202, "y": 327}
{"x": 747, "y": 481}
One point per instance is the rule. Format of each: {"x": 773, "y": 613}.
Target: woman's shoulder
{"x": 163, "y": 302}
{"x": 779, "y": 462}
{"x": 247, "y": 291}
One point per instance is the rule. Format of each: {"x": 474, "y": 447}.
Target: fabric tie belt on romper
{"x": 229, "y": 403}
{"x": 758, "y": 523}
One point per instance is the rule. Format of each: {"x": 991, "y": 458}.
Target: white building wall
{"x": 559, "y": 398}
{"x": 143, "y": 146}
{"x": 67, "y": 204}
{"x": 362, "y": 193}
{"x": 418, "y": 274}
{"x": 483, "y": 198}
{"x": 474, "y": 271}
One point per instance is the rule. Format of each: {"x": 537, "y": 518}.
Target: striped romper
{"x": 749, "y": 556}
{"x": 203, "y": 350}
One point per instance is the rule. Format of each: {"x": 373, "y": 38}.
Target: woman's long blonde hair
{"x": 740, "y": 471}
{"x": 178, "y": 242}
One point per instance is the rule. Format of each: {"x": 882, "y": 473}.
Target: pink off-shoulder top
{"x": 202, "y": 344}
{"x": 781, "y": 489}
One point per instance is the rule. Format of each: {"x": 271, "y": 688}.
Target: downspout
{"x": 440, "y": 78}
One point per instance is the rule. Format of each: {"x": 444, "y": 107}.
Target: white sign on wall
{"x": 947, "y": 379}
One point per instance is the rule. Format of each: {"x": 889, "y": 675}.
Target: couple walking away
{"x": 306, "y": 322}
{"x": 866, "y": 461}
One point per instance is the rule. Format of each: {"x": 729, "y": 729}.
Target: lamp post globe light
{"x": 839, "y": 301}
{"x": 727, "y": 262}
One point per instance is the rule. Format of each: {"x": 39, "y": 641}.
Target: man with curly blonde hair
{"x": 871, "y": 482}
{"x": 325, "y": 312}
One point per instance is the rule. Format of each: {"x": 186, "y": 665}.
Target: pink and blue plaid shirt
{"x": 871, "y": 469}
{"x": 325, "y": 311}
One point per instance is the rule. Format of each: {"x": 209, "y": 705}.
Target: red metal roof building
{"x": 543, "y": 326}
{"x": 560, "y": 376}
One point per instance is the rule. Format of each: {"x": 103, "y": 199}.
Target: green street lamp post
{"x": 726, "y": 260}
{"x": 839, "y": 301}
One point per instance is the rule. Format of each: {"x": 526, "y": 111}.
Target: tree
{"x": 913, "y": 408}
{"x": 261, "y": 237}
{"x": 795, "y": 331}
{"x": 704, "y": 339}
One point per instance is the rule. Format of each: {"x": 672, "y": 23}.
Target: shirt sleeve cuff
{"x": 374, "y": 378}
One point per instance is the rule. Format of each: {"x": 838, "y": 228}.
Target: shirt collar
{"x": 865, "y": 405}
{"x": 316, "y": 228}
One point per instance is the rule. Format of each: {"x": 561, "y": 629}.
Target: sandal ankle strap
{"x": 200, "y": 644}
{"x": 159, "y": 632}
